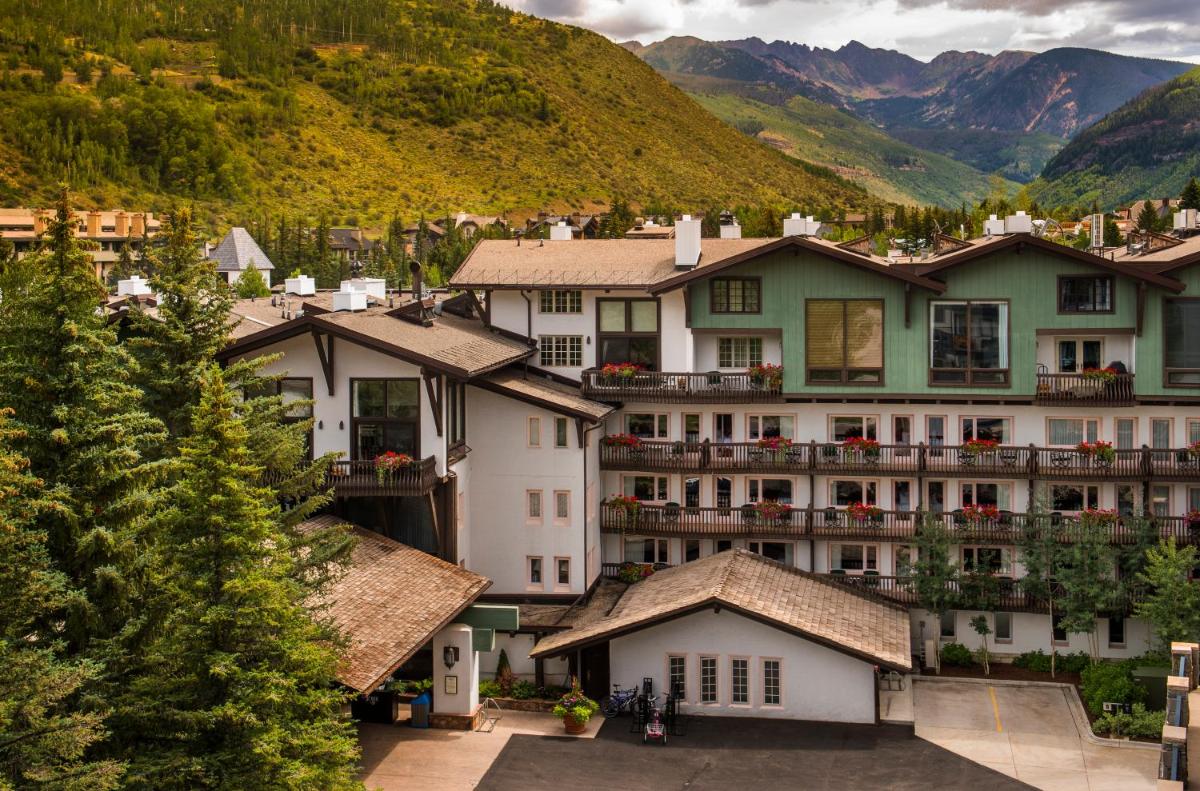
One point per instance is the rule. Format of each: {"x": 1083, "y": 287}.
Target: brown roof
{"x": 390, "y": 602}
{"x": 543, "y": 392}
{"x": 816, "y": 609}
{"x": 583, "y": 263}
{"x": 1165, "y": 259}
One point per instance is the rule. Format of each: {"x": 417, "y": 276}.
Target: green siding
{"x": 1027, "y": 280}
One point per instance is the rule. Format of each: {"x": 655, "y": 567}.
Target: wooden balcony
{"x": 673, "y": 521}
{"x": 1077, "y": 390}
{"x": 672, "y": 388}
{"x": 359, "y": 479}
{"x": 919, "y": 461}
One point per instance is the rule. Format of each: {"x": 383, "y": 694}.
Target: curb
{"x": 1082, "y": 723}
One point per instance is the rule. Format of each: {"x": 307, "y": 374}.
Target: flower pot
{"x": 573, "y": 726}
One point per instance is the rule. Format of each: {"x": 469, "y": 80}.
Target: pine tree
{"x": 84, "y": 433}
{"x": 43, "y": 735}
{"x": 251, "y": 284}
{"x": 1171, "y": 603}
{"x": 1147, "y": 219}
{"x": 1084, "y": 575}
{"x": 1190, "y": 199}
{"x": 1041, "y": 555}
{"x": 190, "y": 325}
{"x": 124, "y": 268}
{"x": 241, "y": 677}
{"x": 935, "y": 573}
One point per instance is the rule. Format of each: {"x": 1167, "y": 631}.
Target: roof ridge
{"x": 719, "y": 588}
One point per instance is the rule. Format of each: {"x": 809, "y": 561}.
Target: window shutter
{"x": 824, "y": 331}
{"x": 864, "y": 333}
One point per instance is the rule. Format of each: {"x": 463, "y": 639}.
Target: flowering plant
{"x": 869, "y": 448}
{"x": 977, "y": 446}
{"x": 1192, "y": 517}
{"x": 864, "y": 511}
{"x": 621, "y": 441}
{"x": 623, "y": 370}
{"x": 981, "y": 513}
{"x": 1103, "y": 451}
{"x": 766, "y": 374}
{"x": 388, "y": 464}
{"x": 1103, "y": 375}
{"x": 775, "y": 443}
{"x": 630, "y": 572}
{"x": 1194, "y": 448}
{"x": 626, "y": 503}
{"x": 1098, "y": 516}
{"x": 575, "y": 705}
{"x": 771, "y": 509}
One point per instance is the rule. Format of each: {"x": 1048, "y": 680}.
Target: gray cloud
{"x": 1126, "y": 10}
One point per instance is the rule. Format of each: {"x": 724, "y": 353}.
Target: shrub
{"x": 1109, "y": 682}
{"x": 489, "y": 689}
{"x": 523, "y": 690}
{"x": 1074, "y": 663}
{"x": 957, "y": 655}
{"x": 1141, "y": 723}
{"x": 1039, "y": 661}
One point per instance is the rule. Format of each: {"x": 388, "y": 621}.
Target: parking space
{"x": 1028, "y": 733}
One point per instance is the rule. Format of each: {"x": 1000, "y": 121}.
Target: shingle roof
{"x": 390, "y": 602}
{"x": 816, "y": 609}
{"x": 544, "y": 392}
{"x": 237, "y": 251}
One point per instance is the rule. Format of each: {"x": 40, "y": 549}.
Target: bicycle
{"x": 621, "y": 700}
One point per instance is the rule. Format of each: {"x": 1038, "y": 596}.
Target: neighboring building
{"x": 471, "y": 224}
{"x": 351, "y": 244}
{"x": 582, "y": 226}
{"x": 433, "y": 234}
{"x": 649, "y": 229}
{"x": 237, "y": 254}
{"x": 108, "y": 232}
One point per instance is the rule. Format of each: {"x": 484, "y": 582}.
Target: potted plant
{"x": 387, "y": 465}
{"x": 630, "y": 572}
{"x": 1194, "y": 449}
{"x": 631, "y": 443}
{"x": 766, "y": 376}
{"x": 1098, "y": 516}
{"x": 776, "y": 446}
{"x": 626, "y": 505}
{"x": 1101, "y": 376}
{"x": 862, "y": 448}
{"x": 575, "y": 709}
{"x": 974, "y": 448}
{"x": 1102, "y": 452}
{"x": 771, "y": 510}
{"x": 617, "y": 373}
{"x": 865, "y": 513}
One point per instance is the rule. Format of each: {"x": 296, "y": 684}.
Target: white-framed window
{"x": 779, "y": 551}
{"x": 844, "y": 427}
{"x": 533, "y": 567}
{"x": 1070, "y": 431}
{"x": 997, "y": 429}
{"x": 854, "y": 558}
{"x": 1126, "y": 433}
{"x": 561, "y": 432}
{"x": 1192, "y": 427}
{"x": 772, "y": 692}
{"x": 848, "y": 492}
{"x": 533, "y": 505}
{"x": 648, "y": 425}
{"x": 708, "y": 679}
{"x": 987, "y": 560}
{"x": 562, "y": 572}
{"x": 1161, "y": 429}
{"x": 677, "y": 675}
{"x": 739, "y": 351}
{"x": 562, "y": 506}
{"x": 985, "y": 493}
{"x": 646, "y": 550}
{"x": 561, "y": 301}
{"x": 560, "y": 351}
{"x": 935, "y": 430}
{"x": 533, "y": 432}
{"x": 902, "y": 495}
{"x": 648, "y": 488}
{"x": 1074, "y": 497}
{"x": 1003, "y": 627}
{"x": 1075, "y": 355}
{"x": 764, "y": 426}
{"x": 739, "y": 681}
{"x": 1160, "y": 500}
{"x": 777, "y": 489}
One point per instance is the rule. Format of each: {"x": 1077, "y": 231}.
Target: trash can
{"x": 1153, "y": 679}
{"x": 420, "y": 711}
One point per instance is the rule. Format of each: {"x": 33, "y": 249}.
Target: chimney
{"x": 800, "y": 226}
{"x": 415, "y": 268}
{"x": 41, "y": 221}
{"x": 349, "y": 299}
{"x": 138, "y": 227}
{"x": 93, "y": 224}
{"x": 687, "y": 242}
{"x": 300, "y": 285}
{"x": 122, "y": 224}
{"x": 560, "y": 232}
{"x": 993, "y": 226}
{"x": 729, "y": 226}
{"x": 1018, "y": 223}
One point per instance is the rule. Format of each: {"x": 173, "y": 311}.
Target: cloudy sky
{"x": 921, "y": 28}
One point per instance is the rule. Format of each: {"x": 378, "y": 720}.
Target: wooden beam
{"x": 480, "y": 313}
{"x": 437, "y": 526}
{"x": 687, "y": 306}
{"x": 1141, "y": 306}
{"x": 434, "y": 390}
{"x": 579, "y": 431}
{"x": 326, "y": 357}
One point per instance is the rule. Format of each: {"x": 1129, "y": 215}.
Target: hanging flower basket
{"x": 862, "y": 448}
{"x": 862, "y": 512}
{"x": 630, "y": 573}
{"x": 981, "y": 514}
{"x": 976, "y": 447}
{"x": 1194, "y": 449}
{"x": 1102, "y": 452}
{"x": 387, "y": 465}
{"x": 766, "y": 376}
{"x": 625, "y": 504}
{"x": 1100, "y": 375}
{"x": 771, "y": 510}
{"x": 618, "y": 372}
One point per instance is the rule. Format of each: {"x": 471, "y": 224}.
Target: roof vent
{"x": 135, "y": 286}
{"x": 300, "y": 285}
{"x": 1186, "y": 220}
{"x": 993, "y": 226}
{"x": 800, "y": 226}
{"x": 375, "y": 287}
{"x": 561, "y": 232}
{"x": 1018, "y": 223}
{"x": 349, "y": 298}
{"x": 729, "y": 226}
{"x": 687, "y": 242}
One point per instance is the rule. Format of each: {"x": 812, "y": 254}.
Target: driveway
{"x": 1028, "y": 733}
{"x": 740, "y": 753}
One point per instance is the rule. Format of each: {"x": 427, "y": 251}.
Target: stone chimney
{"x": 93, "y": 224}
{"x": 687, "y": 242}
{"x": 138, "y": 228}
{"x": 122, "y": 224}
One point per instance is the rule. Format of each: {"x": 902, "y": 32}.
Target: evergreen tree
{"x": 124, "y": 268}
{"x": 1147, "y": 219}
{"x": 43, "y": 735}
{"x": 1171, "y": 603}
{"x": 83, "y": 430}
{"x": 1112, "y": 234}
{"x": 241, "y": 677}
{"x": 935, "y": 573}
{"x": 1086, "y": 578}
{"x": 1190, "y": 199}
{"x": 251, "y": 284}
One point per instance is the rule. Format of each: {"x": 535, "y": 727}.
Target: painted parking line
{"x": 996, "y": 709}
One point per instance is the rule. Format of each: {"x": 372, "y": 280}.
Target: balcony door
{"x": 385, "y": 415}
{"x": 1076, "y": 355}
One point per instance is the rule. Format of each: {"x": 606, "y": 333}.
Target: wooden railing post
{"x": 922, "y": 460}
{"x": 1033, "y": 461}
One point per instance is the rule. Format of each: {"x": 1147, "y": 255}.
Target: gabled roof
{"x": 237, "y": 251}
{"x": 811, "y": 244}
{"x": 785, "y": 597}
{"x": 983, "y": 247}
{"x": 390, "y": 602}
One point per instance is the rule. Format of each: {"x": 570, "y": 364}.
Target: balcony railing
{"x": 674, "y": 521}
{"x": 659, "y": 387}
{"x": 831, "y": 458}
{"x": 1081, "y": 390}
{"x": 359, "y": 479}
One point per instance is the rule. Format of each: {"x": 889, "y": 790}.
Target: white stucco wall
{"x": 1031, "y": 632}
{"x": 817, "y": 683}
{"x": 517, "y": 648}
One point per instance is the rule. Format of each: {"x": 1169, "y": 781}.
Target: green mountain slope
{"x": 824, "y": 135}
{"x": 360, "y": 108}
{"x": 1148, "y": 147}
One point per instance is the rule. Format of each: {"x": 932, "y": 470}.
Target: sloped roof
{"x": 237, "y": 251}
{"x": 390, "y": 602}
{"x": 816, "y": 609}
{"x": 541, "y": 391}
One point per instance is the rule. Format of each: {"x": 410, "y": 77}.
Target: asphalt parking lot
{"x": 731, "y": 753}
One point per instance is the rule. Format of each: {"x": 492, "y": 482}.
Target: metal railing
{"x": 1082, "y": 390}
{"x": 360, "y": 479}
{"x": 666, "y": 387}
